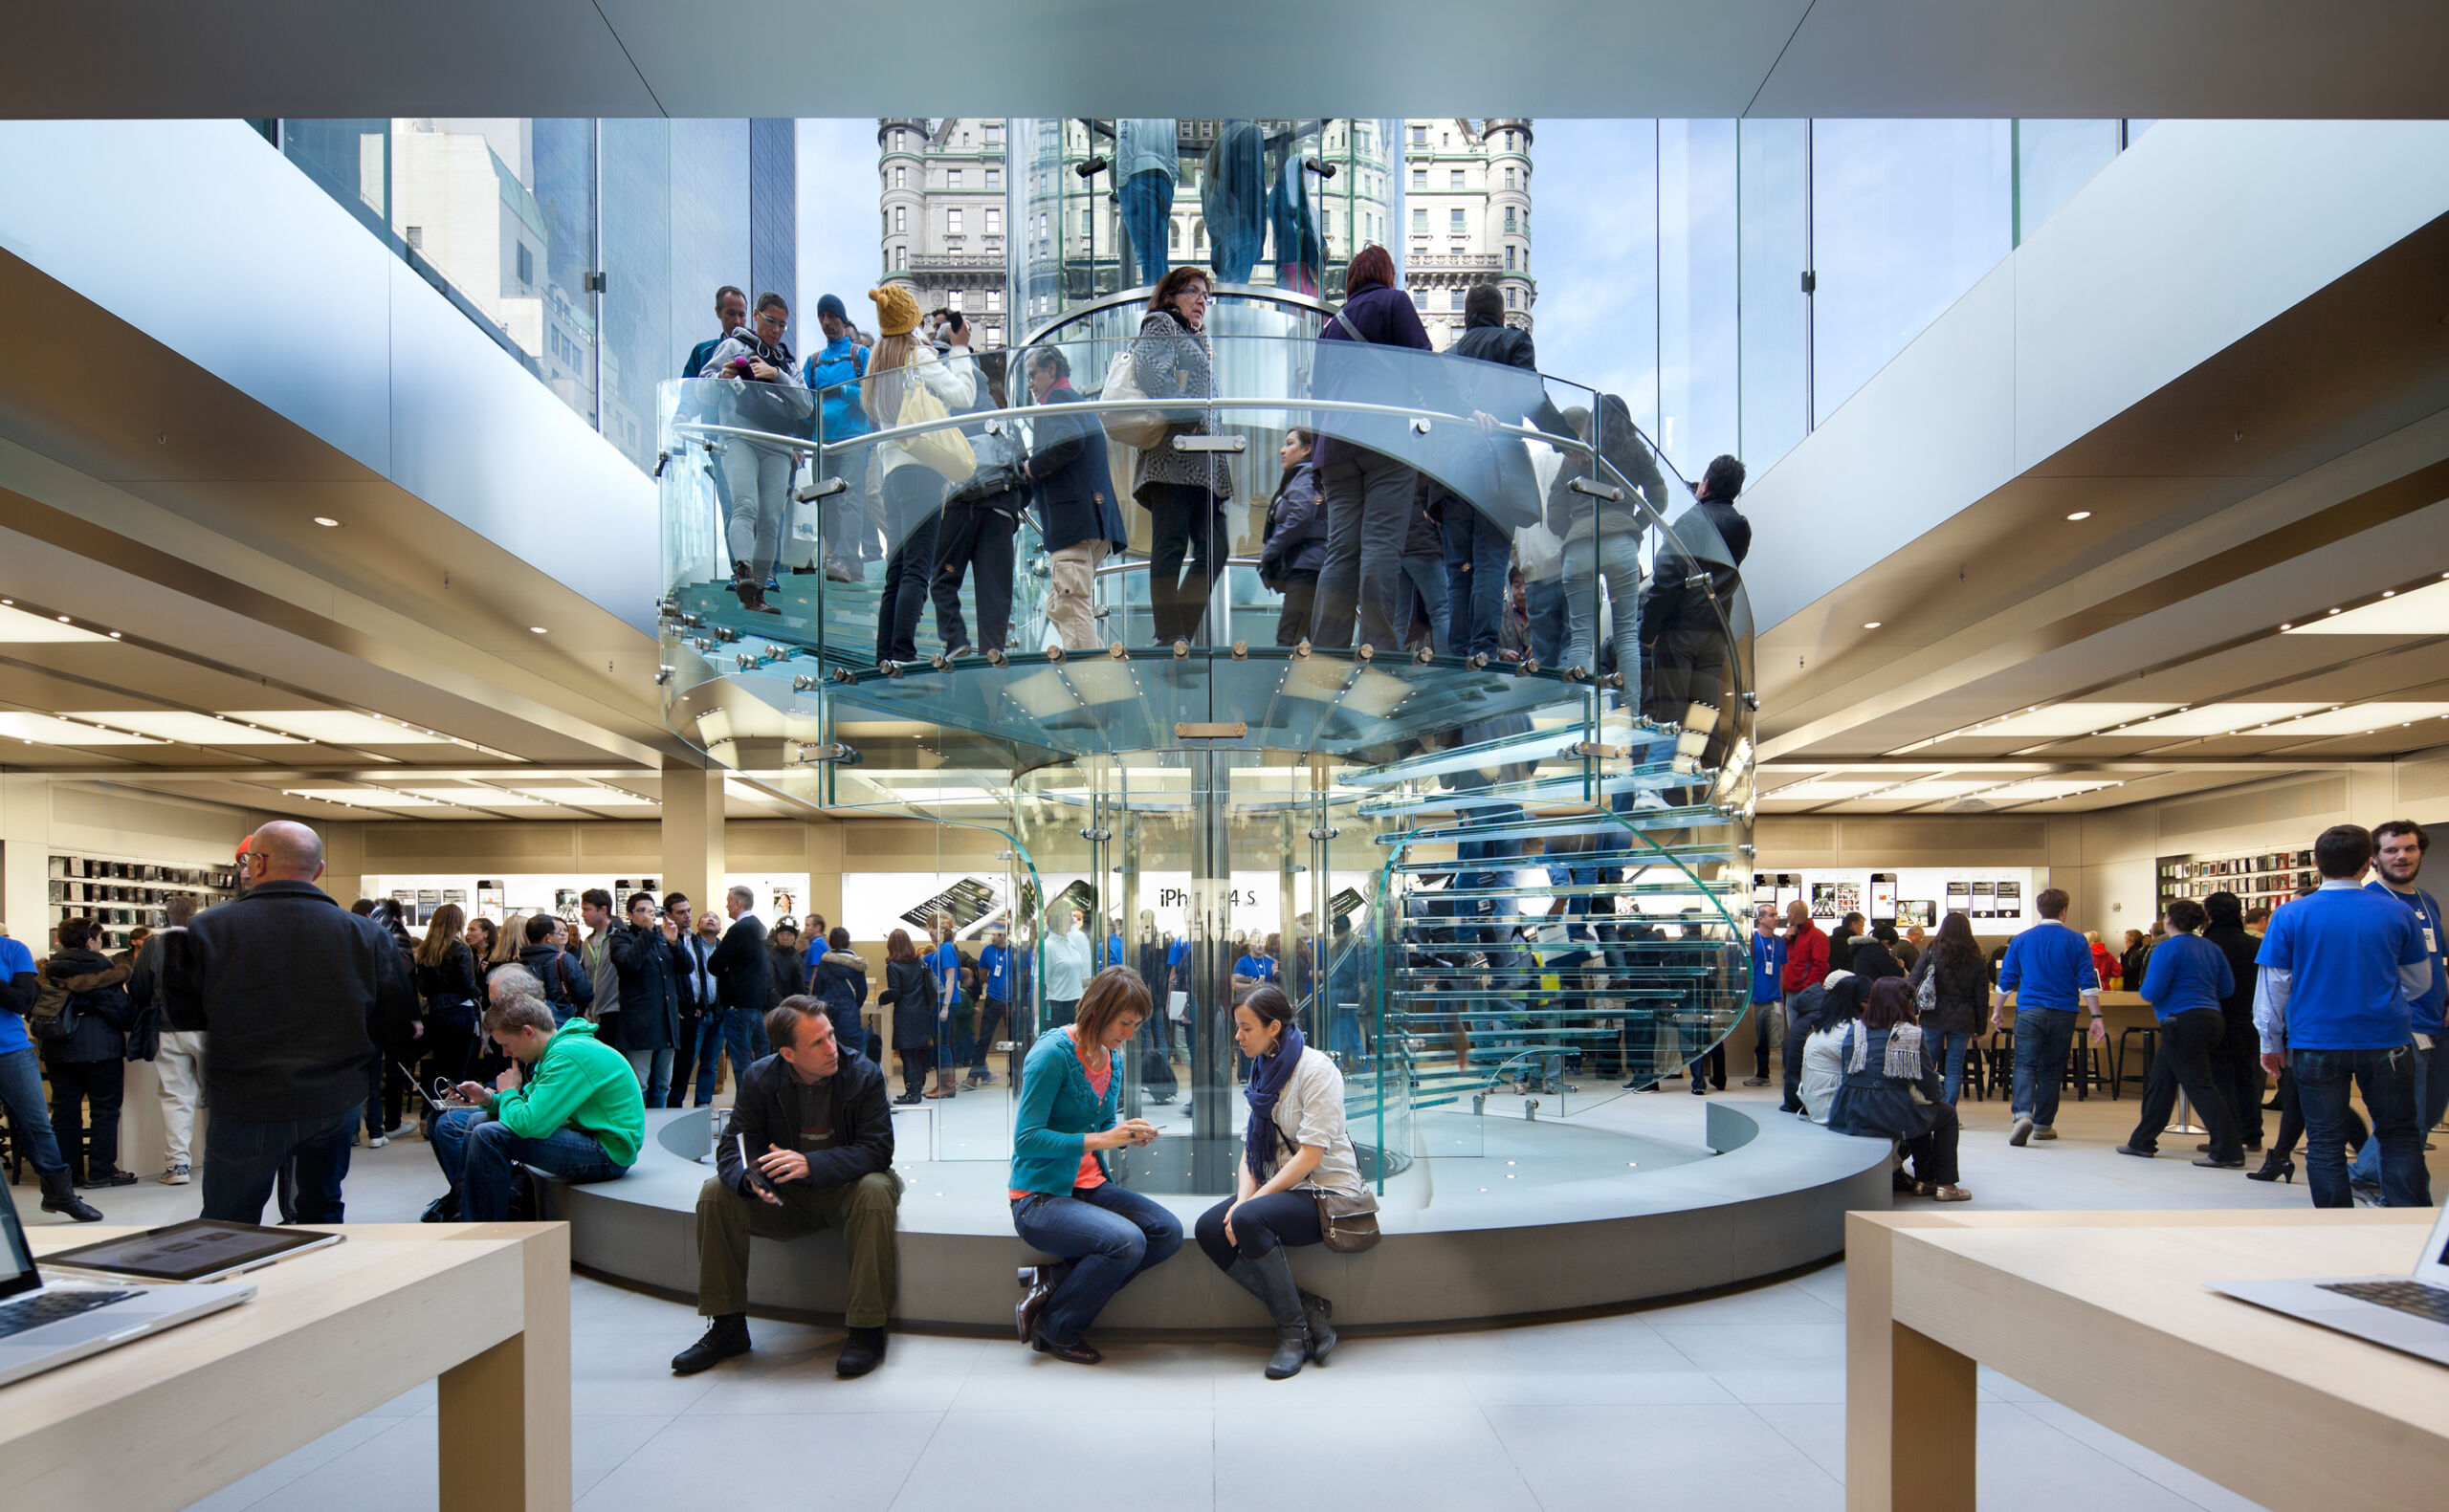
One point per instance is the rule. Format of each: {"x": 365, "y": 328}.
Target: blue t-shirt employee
{"x": 2338, "y": 974}
{"x": 2047, "y": 969}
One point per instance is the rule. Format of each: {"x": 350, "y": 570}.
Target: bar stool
{"x": 2117, "y": 1066}
{"x": 2001, "y": 1055}
{"x": 2082, "y": 1066}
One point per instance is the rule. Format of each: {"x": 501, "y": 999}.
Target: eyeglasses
{"x": 1194, "y": 292}
{"x": 777, "y": 321}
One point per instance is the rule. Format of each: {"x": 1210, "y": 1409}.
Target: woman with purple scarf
{"x": 1294, "y": 1147}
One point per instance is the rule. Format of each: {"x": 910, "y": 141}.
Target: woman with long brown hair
{"x": 1065, "y": 1201}
{"x": 1184, "y": 493}
{"x": 911, "y": 491}
{"x": 446, "y": 977}
{"x": 1887, "y": 1060}
{"x": 1954, "y": 980}
{"x": 1369, "y": 494}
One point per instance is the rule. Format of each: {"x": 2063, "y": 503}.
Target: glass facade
{"x": 589, "y": 249}
{"x": 1736, "y": 281}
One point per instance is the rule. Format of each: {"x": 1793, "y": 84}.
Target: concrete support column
{"x": 692, "y": 832}
{"x": 24, "y": 859}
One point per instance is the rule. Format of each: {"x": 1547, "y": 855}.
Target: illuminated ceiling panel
{"x": 2356, "y": 719}
{"x": 341, "y": 727}
{"x": 19, "y": 627}
{"x": 41, "y": 730}
{"x": 365, "y": 796}
{"x": 195, "y": 730}
{"x": 2421, "y": 612}
{"x": 2059, "y": 721}
{"x": 2217, "y": 720}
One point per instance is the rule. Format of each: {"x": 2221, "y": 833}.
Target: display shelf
{"x": 2260, "y": 879}
{"x": 120, "y": 892}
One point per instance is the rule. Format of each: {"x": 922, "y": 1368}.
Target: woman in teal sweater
{"x": 1063, "y": 1202}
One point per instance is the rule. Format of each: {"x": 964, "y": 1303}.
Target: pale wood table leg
{"x": 1900, "y": 1395}
{"x": 504, "y": 1438}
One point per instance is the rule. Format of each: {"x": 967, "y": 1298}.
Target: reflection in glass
{"x": 2053, "y": 159}
{"x": 1776, "y": 250}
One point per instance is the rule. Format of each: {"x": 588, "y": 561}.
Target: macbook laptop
{"x": 45, "y": 1325}
{"x": 2404, "y": 1313}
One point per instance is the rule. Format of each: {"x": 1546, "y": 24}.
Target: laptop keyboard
{"x": 2406, "y": 1296}
{"x": 51, "y": 1306}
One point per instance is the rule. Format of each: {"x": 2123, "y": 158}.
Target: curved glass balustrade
{"x": 1535, "y": 839}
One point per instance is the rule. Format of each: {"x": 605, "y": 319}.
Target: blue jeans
{"x": 2387, "y": 1079}
{"x": 1426, "y": 578}
{"x": 2043, "y": 1036}
{"x": 654, "y": 1073}
{"x": 745, "y": 1036}
{"x": 29, "y": 1120}
{"x": 480, "y": 1158}
{"x": 242, "y": 1159}
{"x": 1147, "y": 216}
{"x": 2431, "y": 1102}
{"x": 1108, "y": 1233}
{"x": 1952, "y": 1051}
{"x": 1617, "y": 560}
{"x": 708, "y": 1051}
{"x": 1478, "y": 552}
{"x": 1547, "y": 604}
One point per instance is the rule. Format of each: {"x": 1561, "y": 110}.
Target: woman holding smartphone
{"x": 1295, "y": 1148}
{"x": 1064, "y": 1200}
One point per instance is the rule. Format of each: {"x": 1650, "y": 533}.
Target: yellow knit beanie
{"x": 897, "y": 310}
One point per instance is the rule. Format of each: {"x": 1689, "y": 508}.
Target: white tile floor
{"x": 1729, "y": 1400}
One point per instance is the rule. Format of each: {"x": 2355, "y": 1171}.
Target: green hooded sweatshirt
{"x": 583, "y": 1084}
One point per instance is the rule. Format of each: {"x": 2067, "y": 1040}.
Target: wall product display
{"x": 2265, "y": 879}
{"x": 1996, "y": 899}
{"x": 778, "y": 895}
{"x": 122, "y": 894}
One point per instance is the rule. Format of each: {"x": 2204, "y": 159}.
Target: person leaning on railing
{"x": 1076, "y": 514}
{"x": 1602, "y": 540}
{"x": 1184, "y": 493}
{"x": 914, "y": 493}
{"x": 1295, "y": 1151}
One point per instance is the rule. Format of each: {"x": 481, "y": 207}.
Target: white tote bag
{"x": 1142, "y": 428}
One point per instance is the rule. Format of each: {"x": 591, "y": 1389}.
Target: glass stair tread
{"x": 1560, "y": 787}
{"x": 1651, "y": 856}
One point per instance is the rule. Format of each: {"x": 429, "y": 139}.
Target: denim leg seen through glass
{"x": 28, "y": 1119}
{"x": 2043, "y": 1036}
{"x": 1478, "y": 552}
{"x": 1546, "y": 601}
{"x": 1108, "y": 1233}
{"x": 1616, "y": 562}
{"x": 1427, "y": 578}
{"x": 1147, "y": 217}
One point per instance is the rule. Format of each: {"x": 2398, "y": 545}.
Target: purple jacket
{"x": 1385, "y": 315}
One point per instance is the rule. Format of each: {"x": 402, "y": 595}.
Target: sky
{"x": 839, "y": 243}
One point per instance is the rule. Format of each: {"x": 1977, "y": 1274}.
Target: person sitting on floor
{"x": 576, "y": 1113}
{"x": 810, "y": 1148}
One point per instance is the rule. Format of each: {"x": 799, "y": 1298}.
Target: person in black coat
{"x": 1479, "y": 544}
{"x": 744, "y": 973}
{"x": 646, "y": 1028}
{"x": 1871, "y": 958}
{"x": 910, "y": 992}
{"x": 1369, "y": 483}
{"x": 290, "y": 986}
{"x": 1077, "y": 514}
{"x": 839, "y": 981}
{"x": 1687, "y": 613}
{"x": 567, "y": 987}
{"x": 790, "y": 964}
{"x": 444, "y": 973}
{"x": 1295, "y": 539}
{"x": 89, "y": 1067}
{"x": 2235, "y": 1065}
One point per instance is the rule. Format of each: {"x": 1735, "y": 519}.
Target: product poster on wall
{"x": 1823, "y": 900}
{"x": 1997, "y": 898}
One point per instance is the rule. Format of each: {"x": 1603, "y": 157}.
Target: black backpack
{"x": 53, "y": 1016}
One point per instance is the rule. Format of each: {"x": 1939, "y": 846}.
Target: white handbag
{"x": 1178, "y": 1007}
{"x": 1142, "y": 428}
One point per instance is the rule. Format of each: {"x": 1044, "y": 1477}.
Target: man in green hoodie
{"x": 575, "y": 1112}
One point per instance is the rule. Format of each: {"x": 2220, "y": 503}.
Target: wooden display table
{"x": 327, "y": 1337}
{"x": 2107, "y": 1313}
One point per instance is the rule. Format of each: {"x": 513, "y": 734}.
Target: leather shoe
{"x": 863, "y": 1352}
{"x": 725, "y": 1336}
{"x": 1081, "y": 1353}
{"x": 2130, "y": 1150}
{"x": 2238, "y": 1164}
{"x": 1040, "y": 1282}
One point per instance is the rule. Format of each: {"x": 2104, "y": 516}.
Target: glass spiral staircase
{"x": 1505, "y": 883}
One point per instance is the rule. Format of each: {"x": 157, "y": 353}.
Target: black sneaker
{"x": 110, "y": 1178}
{"x": 862, "y": 1353}
{"x": 726, "y": 1337}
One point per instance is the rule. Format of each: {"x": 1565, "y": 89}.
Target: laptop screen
{"x": 18, "y": 1264}
{"x": 2432, "y": 1265}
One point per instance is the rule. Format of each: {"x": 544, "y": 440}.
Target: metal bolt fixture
{"x": 1530, "y": 666}
{"x": 997, "y": 658}
{"x": 1054, "y": 653}
{"x": 844, "y": 674}
{"x": 1422, "y": 655}
{"x": 1301, "y": 652}
{"x": 889, "y": 668}
{"x": 663, "y": 676}
{"x": 1241, "y": 650}
{"x": 1479, "y": 661}
{"x": 1182, "y": 648}
{"x": 804, "y": 683}
{"x": 1531, "y": 1109}
{"x": 1367, "y": 652}
{"x": 1574, "y": 674}
{"x": 1116, "y": 652}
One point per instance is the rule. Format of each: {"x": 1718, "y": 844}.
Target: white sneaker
{"x": 176, "y": 1176}
{"x": 378, "y": 1142}
{"x": 2023, "y": 1129}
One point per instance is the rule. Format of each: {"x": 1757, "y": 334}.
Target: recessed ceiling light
{"x": 1870, "y": 624}
{"x": 327, "y": 522}
{"x": 113, "y": 635}
{"x": 538, "y": 629}
{"x": 2287, "y": 627}
{"x": 2389, "y": 593}
{"x": 63, "y": 619}
{"x": 2333, "y": 611}
{"x": 2080, "y": 513}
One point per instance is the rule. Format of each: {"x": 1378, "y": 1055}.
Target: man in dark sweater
{"x": 810, "y": 1148}
{"x": 294, "y": 991}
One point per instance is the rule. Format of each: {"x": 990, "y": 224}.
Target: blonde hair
{"x": 511, "y": 940}
{"x": 891, "y": 352}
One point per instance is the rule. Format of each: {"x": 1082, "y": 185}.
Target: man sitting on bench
{"x": 574, "y": 1113}
{"x": 810, "y": 1148}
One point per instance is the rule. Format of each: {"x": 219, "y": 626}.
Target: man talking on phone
{"x": 810, "y": 1148}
